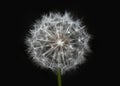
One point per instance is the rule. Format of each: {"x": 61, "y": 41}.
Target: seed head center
{"x": 60, "y": 42}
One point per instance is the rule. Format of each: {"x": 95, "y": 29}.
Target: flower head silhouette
{"x": 58, "y": 41}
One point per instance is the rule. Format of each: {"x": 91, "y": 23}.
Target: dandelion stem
{"x": 59, "y": 77}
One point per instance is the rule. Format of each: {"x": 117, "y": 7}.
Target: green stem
{"x": 59, "y": 77}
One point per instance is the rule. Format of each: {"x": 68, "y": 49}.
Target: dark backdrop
{"x": 22, "y": 70}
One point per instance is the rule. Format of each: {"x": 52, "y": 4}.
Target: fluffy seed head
{"x": 58, "y": 41}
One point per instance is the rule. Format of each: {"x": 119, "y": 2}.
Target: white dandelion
{"x": 57, "y": 41}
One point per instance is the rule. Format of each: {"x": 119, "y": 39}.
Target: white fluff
{"x": 58, "y": 41}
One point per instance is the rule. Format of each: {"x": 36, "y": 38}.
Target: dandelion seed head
{"x": 58, "y": 41}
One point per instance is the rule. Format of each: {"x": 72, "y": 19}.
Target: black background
{"x": 20, "y": 70}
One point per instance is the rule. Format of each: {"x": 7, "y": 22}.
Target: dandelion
{"x": 58, "y": 42}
